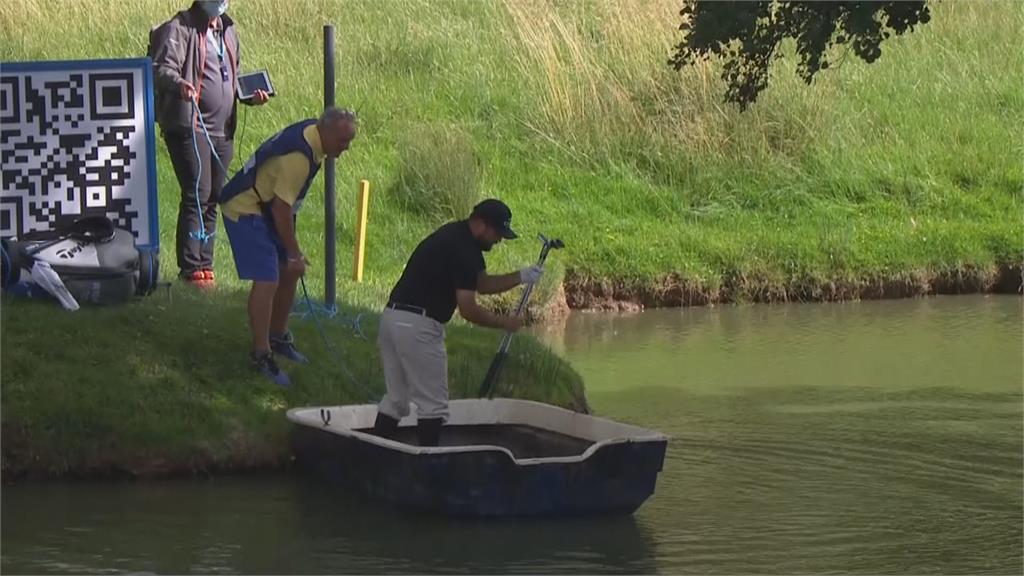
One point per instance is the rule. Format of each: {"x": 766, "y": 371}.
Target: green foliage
{"x": 748, "y": 35}
{"x": 164, "y": 384}
{"x": 438, "y": 172}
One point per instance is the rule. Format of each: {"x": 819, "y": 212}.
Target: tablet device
{"x": 249, "y": 83}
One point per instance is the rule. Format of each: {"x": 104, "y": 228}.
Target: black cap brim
{"x": 508, "y": 234}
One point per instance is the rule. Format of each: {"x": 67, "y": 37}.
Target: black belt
{"x": 407, "y": 308}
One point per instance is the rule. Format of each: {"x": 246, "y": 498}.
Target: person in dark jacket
{"x": 195, "y": 72}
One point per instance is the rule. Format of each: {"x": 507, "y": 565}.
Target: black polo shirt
{"x": 448, "y": 260}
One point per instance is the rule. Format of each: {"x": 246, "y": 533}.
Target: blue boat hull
{"x": 613, "y": 479}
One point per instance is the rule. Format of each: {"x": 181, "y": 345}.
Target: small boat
{"x": 497, "y": 457}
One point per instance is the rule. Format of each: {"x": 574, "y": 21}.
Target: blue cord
{"x": 209, "y": 141}
{"x": 201, "y": 234}
{"x": 330, "y": 312}
{"x": 330, "y": 346}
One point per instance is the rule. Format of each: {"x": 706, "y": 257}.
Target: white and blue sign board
{"x": 78, "y": 138}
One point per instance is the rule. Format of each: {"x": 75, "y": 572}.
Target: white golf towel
{"x": 51, "y": 282}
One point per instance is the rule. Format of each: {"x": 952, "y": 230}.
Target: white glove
{"x": 531, "y": 274}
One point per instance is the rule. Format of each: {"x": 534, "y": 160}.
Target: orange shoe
{"x": 208, "y": 274}
{"x": 198, "y": 279}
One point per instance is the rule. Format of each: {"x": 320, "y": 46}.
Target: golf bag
{"x": 96, "y": 262}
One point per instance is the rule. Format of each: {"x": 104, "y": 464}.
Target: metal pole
{"x": 330, "y": 266}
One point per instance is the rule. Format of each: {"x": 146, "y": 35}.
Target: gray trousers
{"x": 415, "y": 365}
{"x": 192, "y": 253}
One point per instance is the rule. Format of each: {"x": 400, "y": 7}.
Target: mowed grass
{"x": 163, "y": 385}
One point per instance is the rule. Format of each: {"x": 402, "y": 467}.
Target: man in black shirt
{"x": 445, "y": 271}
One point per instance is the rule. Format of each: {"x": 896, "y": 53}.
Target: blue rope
{"x": 209, "y": 141}
{"x": 370, "y": 395}
{"x": 201, "y": 234}
{"x": 353, "y": 323}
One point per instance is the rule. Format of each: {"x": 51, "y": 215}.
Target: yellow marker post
{"x": 362, "y": 208}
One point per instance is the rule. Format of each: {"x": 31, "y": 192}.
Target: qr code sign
{"x": 76, "y": 138}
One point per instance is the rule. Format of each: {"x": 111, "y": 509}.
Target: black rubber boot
{"x": 428, "y": 431}
{"x": 385, "y": 426}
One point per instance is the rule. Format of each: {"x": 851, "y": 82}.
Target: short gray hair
{"x": 333, "y": 115}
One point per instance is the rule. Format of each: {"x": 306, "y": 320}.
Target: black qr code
{"x": 74, "y": 142}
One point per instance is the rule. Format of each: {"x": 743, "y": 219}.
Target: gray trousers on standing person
{"x": 194, "y": 254}
{"x": 415, "y": 365}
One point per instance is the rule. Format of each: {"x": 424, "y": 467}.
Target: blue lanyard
{"x": 219, "y": 46}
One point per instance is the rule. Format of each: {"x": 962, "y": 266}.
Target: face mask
{"x": 214, "y": 8}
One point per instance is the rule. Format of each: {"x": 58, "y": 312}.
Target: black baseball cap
{"x": 497, "y": 215}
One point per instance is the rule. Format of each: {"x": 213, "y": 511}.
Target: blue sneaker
{"x": 265, "y": 365}
{"x": 284, "y": 345}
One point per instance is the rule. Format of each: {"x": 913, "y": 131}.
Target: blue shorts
{"x": 257, "y": 249}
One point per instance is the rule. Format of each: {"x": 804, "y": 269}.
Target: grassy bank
{"x": 909, "y": 166}
{"x": 163, "y": 386}
{"x": 896, "y": 178}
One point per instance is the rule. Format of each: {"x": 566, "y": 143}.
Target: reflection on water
{"x": 289, "y": 525}
{"x": 965, "y": 341}
{"x": 877, "y": 437}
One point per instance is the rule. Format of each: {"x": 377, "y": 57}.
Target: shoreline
{"x": 20, "y": 458}
{"x": 579, "y": 293}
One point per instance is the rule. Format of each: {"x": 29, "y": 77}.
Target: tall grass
{"x": 438, "y": 173}
{"x": 912, "y": 163}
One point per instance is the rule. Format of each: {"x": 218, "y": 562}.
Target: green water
{"x": 876, "y": 437}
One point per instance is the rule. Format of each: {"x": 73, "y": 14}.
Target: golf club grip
{"x": 529, "y": 287}
{"x": 32, "y": 251}
{"x": 487, "y": 388}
